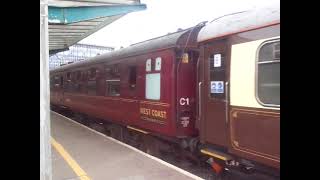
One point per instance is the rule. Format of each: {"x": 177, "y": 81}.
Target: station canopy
{"x": 71, "y": 21}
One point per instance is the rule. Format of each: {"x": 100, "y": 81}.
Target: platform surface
{"x": 101, "y": 157}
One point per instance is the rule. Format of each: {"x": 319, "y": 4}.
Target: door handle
{"x": 227, "y": 101}
{"x": 199, "y": 107}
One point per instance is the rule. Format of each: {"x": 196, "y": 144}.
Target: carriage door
{"x": 214, "y": 88}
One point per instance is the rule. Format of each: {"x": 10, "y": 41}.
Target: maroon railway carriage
{"x": 148, "y": 87}
{"x": 239, "y": 89}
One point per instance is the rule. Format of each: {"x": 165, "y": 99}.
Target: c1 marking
{"x": 184, "y": 101}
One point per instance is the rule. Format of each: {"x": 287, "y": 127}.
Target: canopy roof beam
{"x": 67, "y": 15}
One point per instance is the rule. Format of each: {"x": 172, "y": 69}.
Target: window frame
{"x": 155, "y": 63}
{"x": 145, "y": 95}
{"x": 92, "y": 73}
{"x": 257, "y": 71}
{"x": 153, "y": 70}
{"x": 89, "y": 88}
{"x": 61, "y": 81}
{"x": 109, "y": 84}
{"x": 148, "y": 62}
{"x": 132, "y": 77}
{"x": 90, "y": 78}
{"x": 113, "y": 75}
{"x": 68, "y": 82}
{"x": 76, "y": 81}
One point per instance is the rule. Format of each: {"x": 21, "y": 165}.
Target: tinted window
{"x": 269, "y": 73}
{"x": 113, "y": 88}
{"x": 51, "y": 82}
{"x": 132, "y": 76}
{"x": 92, "y": 87}
{"x": 112, "y": 80}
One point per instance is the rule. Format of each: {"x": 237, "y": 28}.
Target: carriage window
{"x": 56, "y": 81}
{"x": 51, "y": 82}
{"x": 112, "y": 80}
{"x": 148, "y": 65}
{"x": 268, "y": 81}
{"x": 61, "y": 81}
{"x": 69, "y": 76}
{"x": 92, "y": 87}
{"x": 92, "y": 83}
{"x": 92, "y": 73}
{"x": 112, "y": 72}
{"x": 78, "y": 75}
{"x": 158, "y": 64}
{"x": 77, "y": 81}
{"x": 68, "y": 83}
{"x": 153, "y": 86}
{"x": 132, "y": 76}
{"x": 113, "y": 88}
{"x": 72, "y": 82}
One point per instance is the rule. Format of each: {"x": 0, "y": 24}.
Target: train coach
{"x": 239, "y": 90}
{"x": 149, "y": 87}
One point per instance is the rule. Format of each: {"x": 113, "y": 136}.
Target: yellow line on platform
{"x": 72, "y": 163}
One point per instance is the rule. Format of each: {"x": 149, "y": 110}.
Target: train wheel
{"x": 131, "y": 138}
{"x": 116, "y": 132}
{"x": 98, "y": 127}
{"x": 150, "y": 145}
{"x": 81, "y": 119}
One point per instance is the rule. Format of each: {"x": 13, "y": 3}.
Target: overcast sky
{"x": 164, "y": 16}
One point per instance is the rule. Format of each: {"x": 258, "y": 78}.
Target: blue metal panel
{"x": 66, "y": 15}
